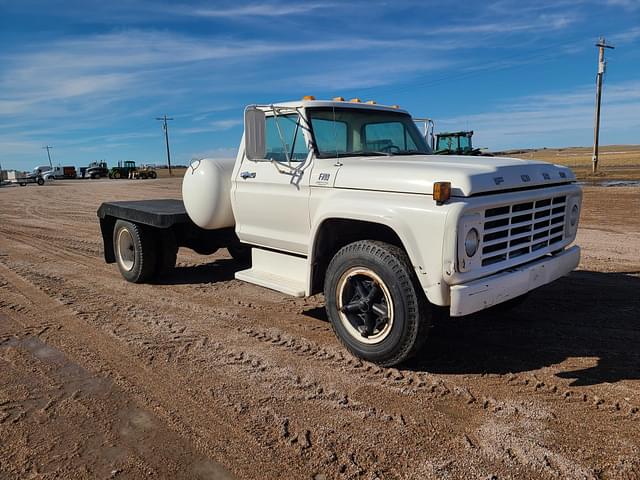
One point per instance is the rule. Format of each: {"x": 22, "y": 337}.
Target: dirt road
{"x": 207, "y": 377}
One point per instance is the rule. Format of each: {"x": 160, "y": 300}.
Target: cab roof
{"x": 339, "y": 104}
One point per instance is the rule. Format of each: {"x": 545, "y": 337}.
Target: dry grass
{"x": 616, "y": 162}
{"x": 176, "y": 172}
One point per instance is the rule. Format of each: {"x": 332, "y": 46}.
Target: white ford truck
{"x": 346, "y": 198}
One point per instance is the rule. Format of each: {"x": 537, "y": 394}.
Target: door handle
{"x": 246, "y": 175}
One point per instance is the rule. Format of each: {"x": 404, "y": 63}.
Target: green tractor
{"x": 455, "y": 143}
{"x": 122, "y": 170}
{"x": 448, "y": 143}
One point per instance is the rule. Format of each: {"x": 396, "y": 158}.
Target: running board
{"x": 277, "y": 271}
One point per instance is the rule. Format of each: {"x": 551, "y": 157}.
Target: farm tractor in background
{"x": 128, "y": 169}
{"x": 448, "y": 143}
{"x": 143, "y": 172}
{"x": 455, "y": 143}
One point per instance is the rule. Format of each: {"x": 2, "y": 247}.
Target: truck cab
{"x": 346, "y": 198}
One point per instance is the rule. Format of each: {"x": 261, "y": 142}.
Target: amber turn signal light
{"x": 441, "y": 191}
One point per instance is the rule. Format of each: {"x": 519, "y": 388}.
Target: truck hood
{"x": 469, "y": 175}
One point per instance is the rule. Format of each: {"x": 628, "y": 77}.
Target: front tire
{"x": 240, "y": 253}
{"x": 40, "y": 181}
{"x": 375, "y": 304}
{"x": 134, "y": 250}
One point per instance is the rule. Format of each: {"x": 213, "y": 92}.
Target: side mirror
{"x": 254, "y": 133}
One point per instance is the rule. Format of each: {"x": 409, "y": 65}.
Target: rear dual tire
{"x": 142, "y": 252}
{"x": 375, "y": 304}
{"x": 134, "y": 250}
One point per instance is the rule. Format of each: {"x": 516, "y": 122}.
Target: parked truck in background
{"x": 97, "y": 170}
{"x": 58, "y": 172}
{"x": 346, "y": 198}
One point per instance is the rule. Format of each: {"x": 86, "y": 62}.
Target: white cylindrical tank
{"x": 206, "y": 193}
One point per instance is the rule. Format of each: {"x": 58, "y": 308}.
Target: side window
{"x": 330, "y": 136}
{"x": 382, "y": 136}
{"x": 291, "y": 131}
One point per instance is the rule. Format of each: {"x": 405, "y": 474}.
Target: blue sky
{"x": 89, "y": 77}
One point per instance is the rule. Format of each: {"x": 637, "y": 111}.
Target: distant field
{"x": 164, "y": 172}
{"x": 616, "y": 162}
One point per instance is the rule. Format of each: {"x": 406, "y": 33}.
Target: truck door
{"x": 271, "y": 206}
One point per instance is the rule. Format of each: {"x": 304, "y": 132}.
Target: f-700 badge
{"x": 324, "y": 177}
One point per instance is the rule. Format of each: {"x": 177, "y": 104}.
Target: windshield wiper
{"x": 409, "y": 152}
{"x": 363, "y": 153}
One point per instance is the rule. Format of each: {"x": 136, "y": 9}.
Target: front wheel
{"x": 40, "y": 181}
{"x": 134, "y": 250}
{"x": 153, "y": 175}
{"x": 375, "y": 304}
{"x": 240, "y": 253}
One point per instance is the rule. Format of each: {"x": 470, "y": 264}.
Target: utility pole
{"x": 48, "y": 154}
{"x": 165, "y": 127}
{"x": 602, "y": 44}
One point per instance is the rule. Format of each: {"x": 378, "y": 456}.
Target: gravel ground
{"x": 204, "y": 376}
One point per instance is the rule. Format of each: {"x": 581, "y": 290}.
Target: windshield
{"x": 346, "y": 132}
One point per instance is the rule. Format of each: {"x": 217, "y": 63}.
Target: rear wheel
{"x": 135, "y": 251}
{"x": 375, "y": 304}
{"x": 153, "y": 175}
{"x": 116, "y": 175}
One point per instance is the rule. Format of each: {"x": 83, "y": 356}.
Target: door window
{"x": 284, "y": 134}
{"x": 331, "y": 136}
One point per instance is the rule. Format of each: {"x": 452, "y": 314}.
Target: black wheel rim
{"x": 365, "y": 306}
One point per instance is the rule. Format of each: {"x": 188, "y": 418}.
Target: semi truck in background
{"x": 58, "y": 172}
{"x": 347, "y": 199}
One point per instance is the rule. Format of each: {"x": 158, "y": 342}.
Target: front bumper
{"x": 483, "y": 293}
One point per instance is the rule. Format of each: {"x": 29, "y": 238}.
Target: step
{"x": 278, "y": 271}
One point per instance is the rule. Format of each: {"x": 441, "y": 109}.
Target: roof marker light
{"x": 395, "y": 106}
{"x": 371, "y": 102}
{"x": 355, "y": 100}
{"x": 308, "y": 97}
{"x": 338, "y": 99}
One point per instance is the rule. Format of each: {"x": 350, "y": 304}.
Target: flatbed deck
{"x": 160, "y": 213}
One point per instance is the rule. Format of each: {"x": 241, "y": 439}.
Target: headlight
{"x": 471, "y": 242}
{"x": 573, "y": 215}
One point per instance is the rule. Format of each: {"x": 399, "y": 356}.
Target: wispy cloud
{"x": 626, "y": 37}
{"x": 549, "y": 119}
{"x": 256, "y": 10}
{"x": 626, "y": 4}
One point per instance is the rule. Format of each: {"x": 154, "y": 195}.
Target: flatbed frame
{"x": 162, "y": 219}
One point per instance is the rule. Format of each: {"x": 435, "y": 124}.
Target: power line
{"x": 531, "y": 56}
{"x": 165, "y": 127}
{"x": 602, "y": 65}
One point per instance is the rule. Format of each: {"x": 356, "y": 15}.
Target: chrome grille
{"x": 510, "y": 231}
